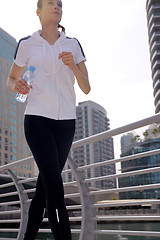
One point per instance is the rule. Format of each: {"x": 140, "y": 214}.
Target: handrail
{"x": 122, "y": 159}
{"x": 127, "y": 233}
{"x": 116, "y": 131}
{"x": 125, "y": 174}
{"x": 123, "y": 203}
{"x": 125, "y": 189}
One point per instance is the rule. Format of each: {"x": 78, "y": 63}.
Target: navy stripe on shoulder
{"x": 80, "y": 47}
{"x": 22, "y": 39}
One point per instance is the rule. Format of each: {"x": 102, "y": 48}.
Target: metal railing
{"x": 16, "y": 194}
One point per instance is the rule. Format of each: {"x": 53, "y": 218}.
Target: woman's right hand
{"x": 15, "y": 83}
{"x": 21, "y": 87}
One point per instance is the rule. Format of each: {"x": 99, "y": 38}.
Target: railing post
{"x": 23, "y": 203}
{"x": 87, "y": 225}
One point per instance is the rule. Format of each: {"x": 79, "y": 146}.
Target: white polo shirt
{"x": 53, "y": 94}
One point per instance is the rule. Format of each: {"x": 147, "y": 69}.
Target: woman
{"x": 50, "y": 112}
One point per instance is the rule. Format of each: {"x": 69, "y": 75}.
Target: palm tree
{"x": 136, "y": 138}
{"x": 133, "y": 139}
{"x": 146, "y": 134}
{"x": 155, "y": 132}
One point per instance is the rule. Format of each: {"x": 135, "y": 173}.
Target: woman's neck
{"x": 50, "y": 33}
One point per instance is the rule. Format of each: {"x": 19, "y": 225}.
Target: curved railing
{"x": 16, "y": 194}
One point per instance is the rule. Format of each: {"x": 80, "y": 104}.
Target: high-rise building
{"x": 12, "y": 141}
{"x": 153, "y": 20}
{"x": 92, "y": 119}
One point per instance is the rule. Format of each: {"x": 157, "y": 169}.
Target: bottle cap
{"x": 31, "y": 69}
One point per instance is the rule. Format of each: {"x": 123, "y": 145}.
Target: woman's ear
{"x": 38, "y": 13}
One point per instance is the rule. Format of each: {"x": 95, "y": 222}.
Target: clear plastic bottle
{"x": 28, "y": 77}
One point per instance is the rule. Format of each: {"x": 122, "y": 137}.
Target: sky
{"x": 114, "y": 38}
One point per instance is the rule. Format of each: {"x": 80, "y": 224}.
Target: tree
{"x": 133, "y": 139}
{"x": 136, "y": 138}
{"x": 155, "y": 132}
{"x": 146, "y": 134}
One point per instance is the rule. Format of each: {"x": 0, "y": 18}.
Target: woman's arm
{"x": 14, "y": 83}
{"x": 79, "y": 70}
{"x": 81, "y": 74}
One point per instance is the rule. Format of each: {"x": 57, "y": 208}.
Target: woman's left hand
{"x": 79, "y": 70}
{"x": 67, "y": 59}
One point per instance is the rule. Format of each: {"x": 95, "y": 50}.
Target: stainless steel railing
{"x": 16, "y": 197}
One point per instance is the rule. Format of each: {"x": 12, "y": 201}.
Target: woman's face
{"x": 51, "y": 11}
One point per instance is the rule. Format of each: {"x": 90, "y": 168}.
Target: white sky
{"x": 114, "y": 37}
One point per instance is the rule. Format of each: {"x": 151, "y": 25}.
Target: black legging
{"x": 50, "y": 141}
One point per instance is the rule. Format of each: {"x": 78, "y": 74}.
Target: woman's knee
{"x": 53, "y": 183}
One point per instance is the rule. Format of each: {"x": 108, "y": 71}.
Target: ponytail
{"x": 62, "y": 28}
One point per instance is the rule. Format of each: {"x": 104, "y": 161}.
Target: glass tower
{"x": 12, "y": 141}
{"x": 138, "y": 164}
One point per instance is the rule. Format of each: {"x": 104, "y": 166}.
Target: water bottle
{"x": 28, "y": 77}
